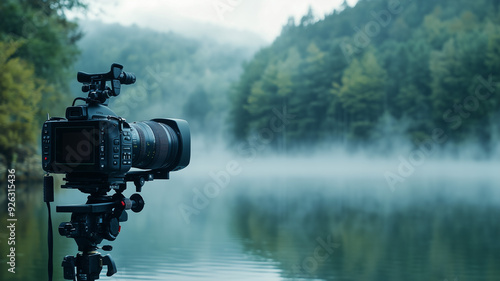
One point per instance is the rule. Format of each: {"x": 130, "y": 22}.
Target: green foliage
{"x": 362, "y": 94}
{"x": 424, "y": 240}
{"x": 241, "y": 91}
{"x": 37, "y": 47}
{"x": 20, "y": 94}
{"x": 49, "y": 42}
{"x": 413, "y": 62}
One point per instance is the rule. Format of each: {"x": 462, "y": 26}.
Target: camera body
{"x": 96, "y": 149}
{"x": 85, "y": 145}
{"x": 90, "y": 146}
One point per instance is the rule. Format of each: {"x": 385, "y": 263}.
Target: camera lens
{"x": 154, "y": 145}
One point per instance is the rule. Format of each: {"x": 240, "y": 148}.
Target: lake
{"x": 289, "y": 219}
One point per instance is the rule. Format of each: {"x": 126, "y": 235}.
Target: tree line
{"x": 378, "y": 69}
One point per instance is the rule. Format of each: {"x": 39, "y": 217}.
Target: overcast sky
{"x": 264, "y": 17}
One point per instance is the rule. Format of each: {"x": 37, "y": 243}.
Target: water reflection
{"x": 288, "y": 227}
{"x": 431, "y": 234}
{"x": 31, "y": 235}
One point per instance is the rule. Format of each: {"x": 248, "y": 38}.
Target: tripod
{"x": 98, "y": 219}
{"x": 94, "y": 221}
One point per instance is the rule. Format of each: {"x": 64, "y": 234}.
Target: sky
{"x": 263, "y": 17}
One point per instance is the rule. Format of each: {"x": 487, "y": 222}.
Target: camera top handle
{"x": 95, "y": 84}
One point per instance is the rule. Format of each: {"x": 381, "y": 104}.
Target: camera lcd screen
{"x": 76, "y": 145}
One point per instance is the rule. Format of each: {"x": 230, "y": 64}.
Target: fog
{"x": 315, "y": 154}
{"x": 206, "y": 19}
{"x": 228, "y": 216}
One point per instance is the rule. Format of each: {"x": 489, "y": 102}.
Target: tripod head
{"x": 91, "y": 223}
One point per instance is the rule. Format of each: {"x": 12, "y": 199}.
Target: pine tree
{"x": 362, "y": 94}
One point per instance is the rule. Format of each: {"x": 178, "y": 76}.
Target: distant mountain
{"x": 177, "y": 76}
{"x": 218, "y": 34}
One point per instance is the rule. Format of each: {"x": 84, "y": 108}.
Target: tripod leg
{"x": 106, "y": 260}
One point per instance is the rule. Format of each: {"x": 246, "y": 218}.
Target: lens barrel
{"x": 154, "y": 145}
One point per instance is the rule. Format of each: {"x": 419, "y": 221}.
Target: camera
{"x": 96, "y": 150}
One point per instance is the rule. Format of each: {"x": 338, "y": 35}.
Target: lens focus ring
{"x": 154, "y": 145}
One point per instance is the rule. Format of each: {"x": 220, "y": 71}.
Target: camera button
{"x": 116, "y": 141}
{"x": 116, "y": 149}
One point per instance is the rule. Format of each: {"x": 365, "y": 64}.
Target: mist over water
{"x": 267, "y": 220}
{"x": 329, "y": 215}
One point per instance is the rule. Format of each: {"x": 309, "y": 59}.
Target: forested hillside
{"x": 176, "y": 76}
{"x": 378, "y": 69}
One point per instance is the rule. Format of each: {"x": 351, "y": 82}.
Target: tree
{"x": 37, "y": 48}
{"x": 239, "y": 115}
{"x": 310, "y": 100}
{"x": 20, "y": 94}
{"x": 362, "y": 94}
{"x": 308, "y": 18}
{"x": 454, "y": 72}
{"x": 49, "y": 43}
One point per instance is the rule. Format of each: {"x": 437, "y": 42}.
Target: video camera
{"x": 96, "y": 150}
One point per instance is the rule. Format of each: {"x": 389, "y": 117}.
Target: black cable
{"x": 50, "y": 245}
{"x": 78, "y": 98}
{"x": 48, "y": 196}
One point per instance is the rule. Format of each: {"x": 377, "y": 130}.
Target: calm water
{"x": 278, "y": 222}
